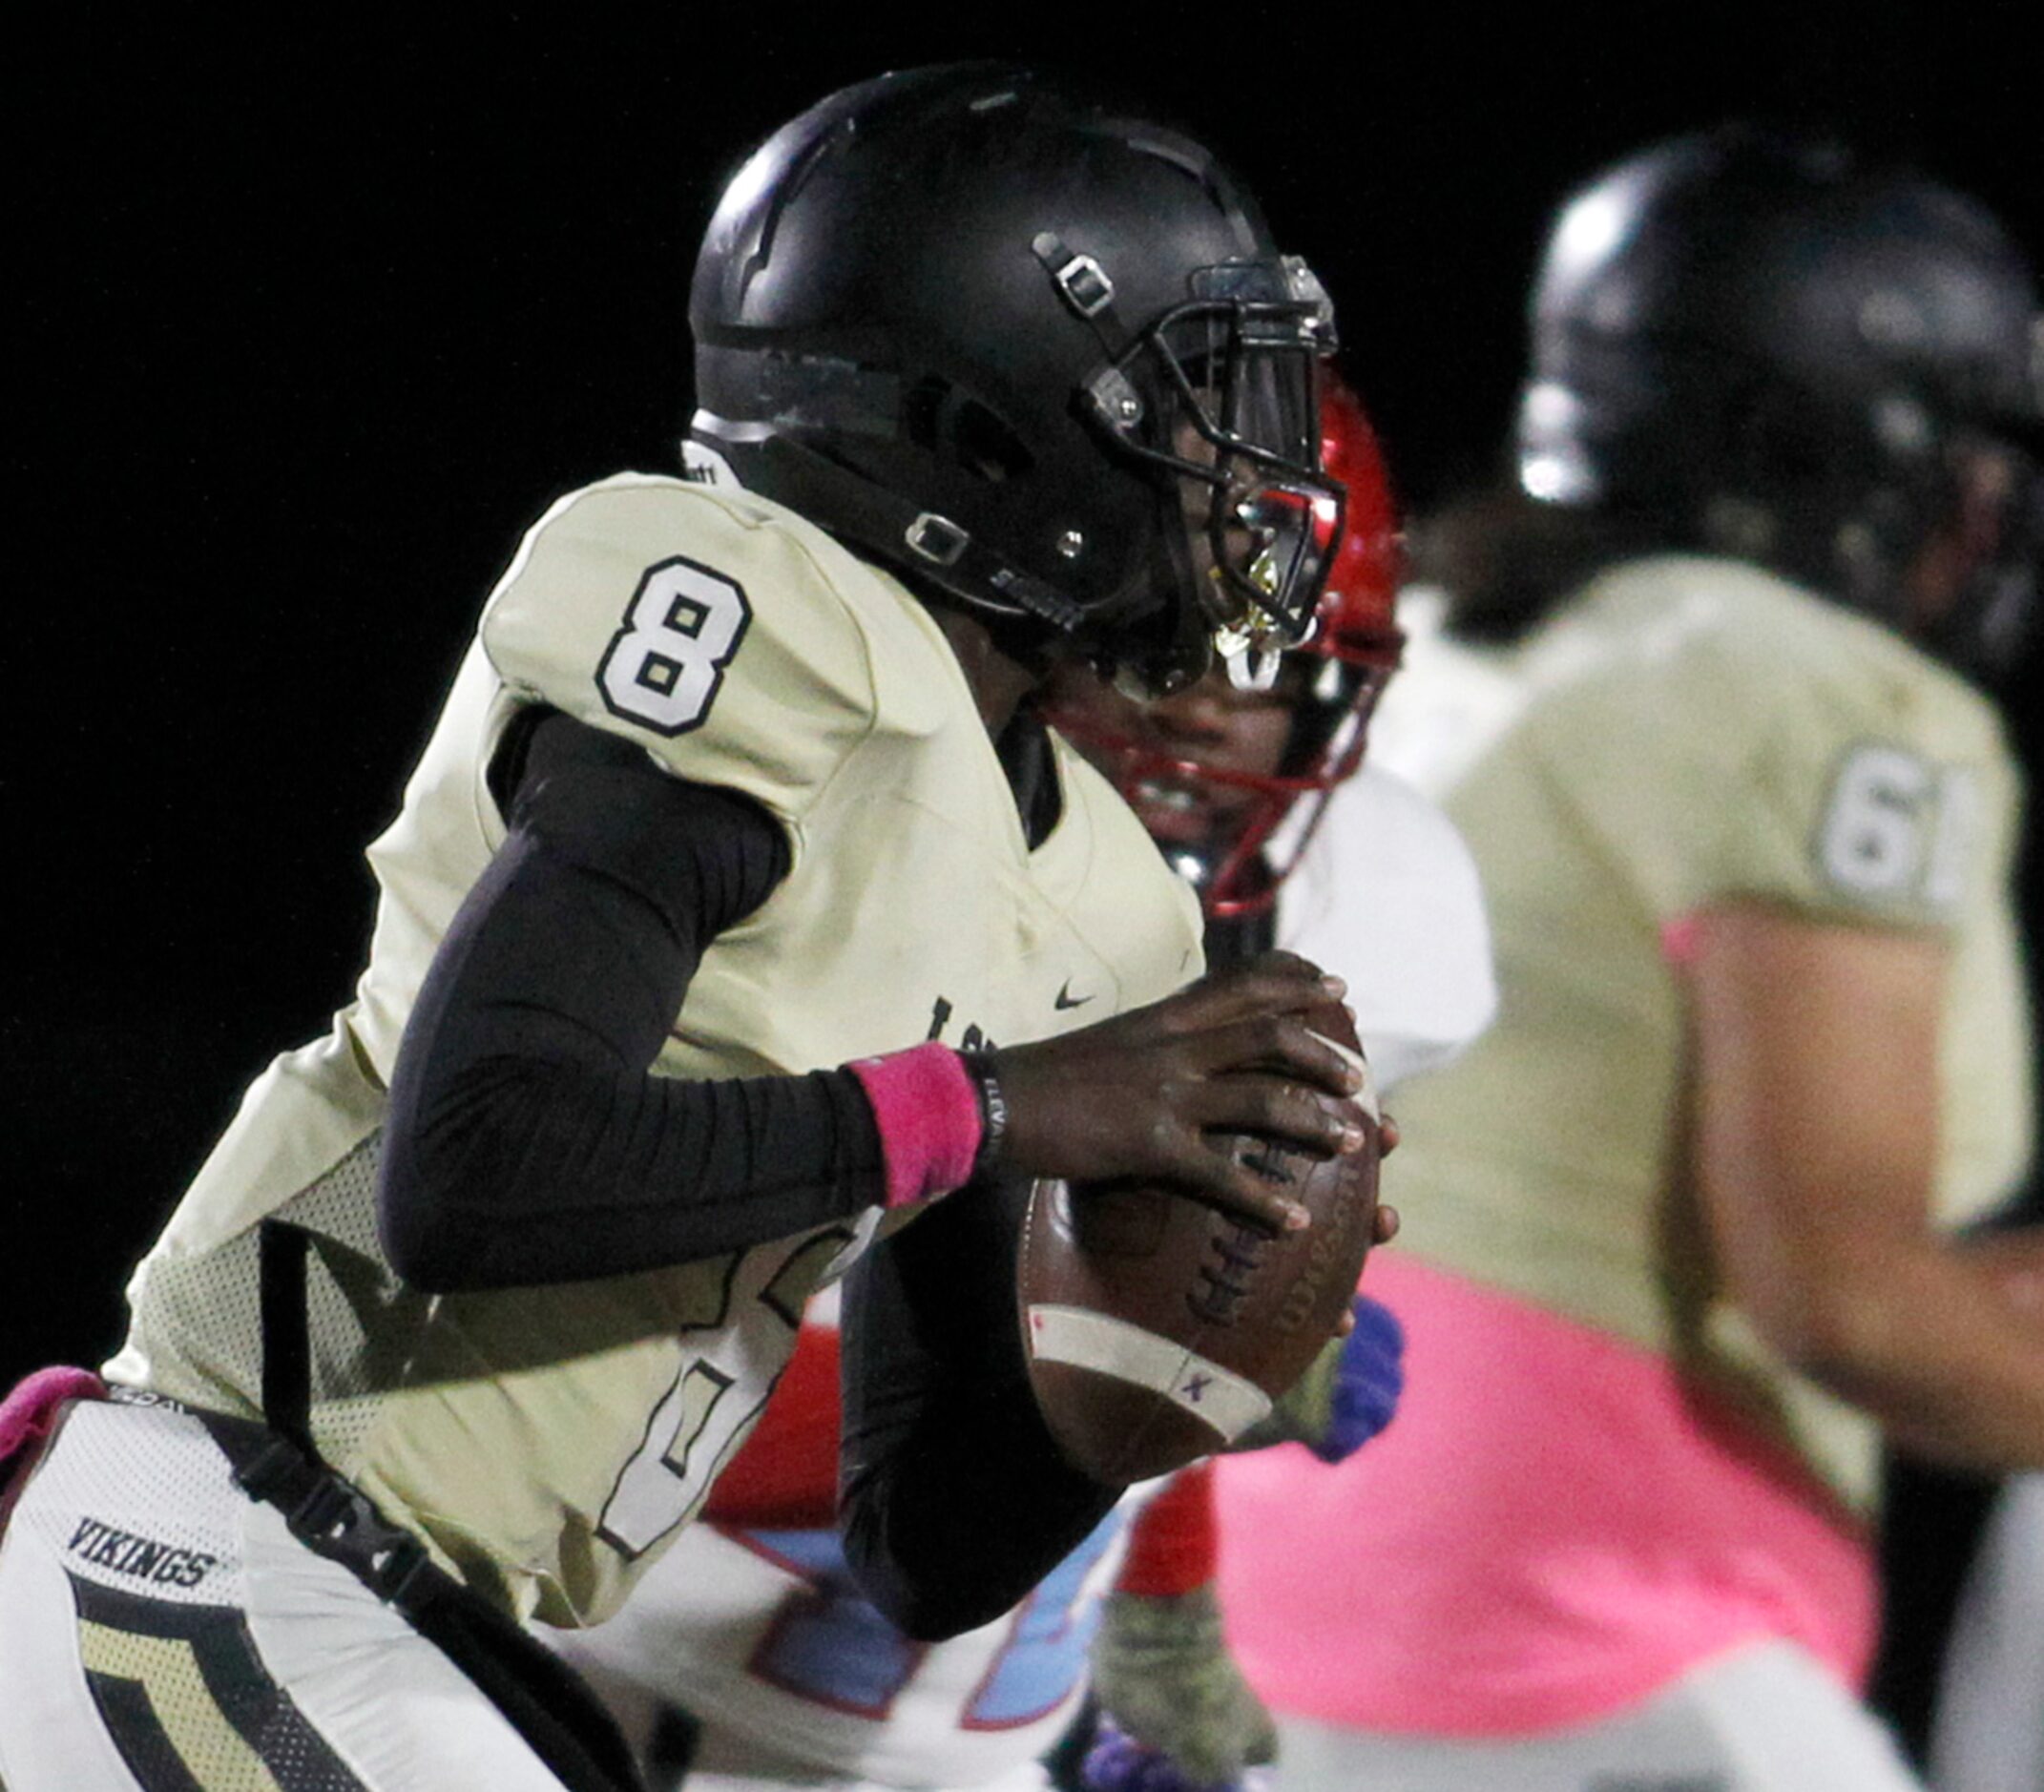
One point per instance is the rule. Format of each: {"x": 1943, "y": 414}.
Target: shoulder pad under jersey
{"x": 1731, "y": 735}
{"x": 737, "y": 643}
{"x": 1149, "y": 928}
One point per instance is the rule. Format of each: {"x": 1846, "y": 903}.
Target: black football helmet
{"x": 1008, "y": 340}
{"x": 1770, "y": 348}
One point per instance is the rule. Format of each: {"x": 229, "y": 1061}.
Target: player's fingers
{"x": 1276, "y": 1108}
{"x": 1383, "y": 1227}
{"x": 1281, "y": 1044}
{"x": 1213, "y": 1180}
{"x": 1387, "y": 1134}
{"x": 1281, "y": 963}
{"x": 1278, "y": 984}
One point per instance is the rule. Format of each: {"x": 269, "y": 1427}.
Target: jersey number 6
{"x": 663, "y": 667}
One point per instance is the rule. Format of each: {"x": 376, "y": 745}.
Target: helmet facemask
{"x": 1220, "y": 398}
{"x": 1232, "y": 827}
{"x": 1232, "y": 778}
{"x": 1971, "y": 593}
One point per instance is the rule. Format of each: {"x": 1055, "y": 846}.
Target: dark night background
{"x": 312, "y": 318}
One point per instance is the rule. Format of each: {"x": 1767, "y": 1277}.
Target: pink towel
{"x": 26, "y": 1413}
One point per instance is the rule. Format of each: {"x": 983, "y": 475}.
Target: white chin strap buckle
{"x": 1252, "y": 660}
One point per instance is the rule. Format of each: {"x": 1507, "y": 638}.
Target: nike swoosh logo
{"x": 1066, "y": 999}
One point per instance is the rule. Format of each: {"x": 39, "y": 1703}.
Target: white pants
{"x": 159, "y": 1628}
{"x": 724, "y": 1761}
{"x": 1767, "y": 1718}
{"x": 1988, "y": 1733}
{"x": 724, "y": 1766}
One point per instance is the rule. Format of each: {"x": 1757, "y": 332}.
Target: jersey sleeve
{"x": 702, "y": 626}
{"x": 1138, "y": 914}
{"x": 1798, "y": 755}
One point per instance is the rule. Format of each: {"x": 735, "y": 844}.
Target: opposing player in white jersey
{"x": 734, "y": 824}
{"x": 1262, "y": 798}
{"x": 1697, "y": 694}
{"x": 751, "y": 1624}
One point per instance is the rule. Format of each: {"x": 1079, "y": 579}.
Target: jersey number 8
{"x": 663, "y": 668}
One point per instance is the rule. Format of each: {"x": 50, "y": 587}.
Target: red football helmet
{"x": 1217, "y": 772}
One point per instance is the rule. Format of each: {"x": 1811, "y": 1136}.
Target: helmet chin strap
{"x": 1230, "y": 939}
{"x": 1251, "y": 666}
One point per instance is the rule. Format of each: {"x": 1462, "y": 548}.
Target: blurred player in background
{"x": 734, "y": 829}
{"x": 751, "y": 1624}
{"x": 1701, "y": 694}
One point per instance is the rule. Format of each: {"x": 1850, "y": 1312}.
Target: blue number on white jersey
{"x": 1046, "y": 1652}
{"x": 827, "y": 1644}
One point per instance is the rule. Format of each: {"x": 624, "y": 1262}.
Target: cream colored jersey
{"x": 1687, "y": 731}
{"x": 546, "y": 1442}
{"x": 762, "y": 1637}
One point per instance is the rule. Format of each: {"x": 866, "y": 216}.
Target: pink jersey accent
{"x": 1681, "y": 938}
{"x": 927, "y": 1113}
{"x": 27, "y": 1411}
{"x": 1554, "y": 1527}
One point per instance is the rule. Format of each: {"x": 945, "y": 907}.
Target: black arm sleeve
{"x": 525, "y": 1141}
{"x": 954, "y": 1501}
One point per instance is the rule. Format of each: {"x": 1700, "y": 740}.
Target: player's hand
{"x": 1346, "y": 1396}
{"x": 1369, "y": 1376}
{"x": 1168, "y": 1687}
{"x": 1136, "y": 1096}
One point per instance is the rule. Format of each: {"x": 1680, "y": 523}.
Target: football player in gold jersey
{"x": 746, "y": 1661}
{"x": 1698, "y": 696}
{"x": 740, "y": 911}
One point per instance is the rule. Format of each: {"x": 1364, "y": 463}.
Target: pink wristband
{"x": 927, "y": 1113}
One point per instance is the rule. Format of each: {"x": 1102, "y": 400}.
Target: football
{"x": 1158, "y": 1330}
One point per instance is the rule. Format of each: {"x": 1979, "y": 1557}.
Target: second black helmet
{"x": 1777, "y": 347}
